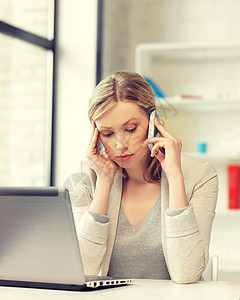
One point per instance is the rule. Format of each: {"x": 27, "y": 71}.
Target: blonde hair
{"x": 125, "y": 86}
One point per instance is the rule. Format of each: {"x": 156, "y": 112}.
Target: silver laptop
{"x": 38, "y": 241}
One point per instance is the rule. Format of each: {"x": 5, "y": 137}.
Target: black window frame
{"x": 46, "y": 44}
{"x": 100, "y": 5}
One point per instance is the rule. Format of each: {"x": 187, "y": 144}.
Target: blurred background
{"x": 54, "y": 52}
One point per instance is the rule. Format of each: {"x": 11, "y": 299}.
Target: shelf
{"x": 205, "y": 69}
{"x": 228, "y": 213}
{"x": 186, "y": 51}
{"x": 176, "y": 103}
{"x": 216, "y": 158}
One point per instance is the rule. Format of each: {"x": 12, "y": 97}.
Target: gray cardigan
{"x": 185, "y": 237}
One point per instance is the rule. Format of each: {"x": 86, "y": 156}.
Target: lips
{"x": 124, "y": 157}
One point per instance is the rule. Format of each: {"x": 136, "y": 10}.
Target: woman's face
{"x": 123, "y": 129}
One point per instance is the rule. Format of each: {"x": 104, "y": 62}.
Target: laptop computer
{"x": 38, "y": 241}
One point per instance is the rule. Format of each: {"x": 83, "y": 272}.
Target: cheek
{"x": 139, "y": 136}
{"x": 108, "y": 145}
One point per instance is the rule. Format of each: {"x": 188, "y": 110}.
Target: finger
{"x": 92, "y": 133}
{"x": 154, "y": 140}
{"x": 95, "y": 137}
{"x": 162, "y": 129}
{"x": 157, "y": 147}
{"x": 160, "y": 156}
{"x": 94, "y": 140}
{"x": 93, "y": 127}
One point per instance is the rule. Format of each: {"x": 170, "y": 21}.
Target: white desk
{"x": 141, "y": 290}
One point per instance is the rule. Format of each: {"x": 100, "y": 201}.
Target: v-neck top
{"x": 137, "y": 251}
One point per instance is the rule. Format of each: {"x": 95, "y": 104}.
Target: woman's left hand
{"x": 171, "y": 160}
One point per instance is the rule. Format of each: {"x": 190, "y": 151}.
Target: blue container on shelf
{"x": 201, "y": 147}
{"x": 156, "y": 90}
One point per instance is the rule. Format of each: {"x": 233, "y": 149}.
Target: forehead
{"x": 121, "y": 113}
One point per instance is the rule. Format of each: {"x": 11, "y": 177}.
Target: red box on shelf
{"x": 233, "y": 174}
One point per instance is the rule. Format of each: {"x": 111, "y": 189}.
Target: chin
{"x": 124, "y": 165}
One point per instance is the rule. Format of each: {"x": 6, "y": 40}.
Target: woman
{"x": 140, "y": 213}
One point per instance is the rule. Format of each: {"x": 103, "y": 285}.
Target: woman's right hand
{"x": 103, "y": 166}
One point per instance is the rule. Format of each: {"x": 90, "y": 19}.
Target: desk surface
{"x": 141, "y": 289}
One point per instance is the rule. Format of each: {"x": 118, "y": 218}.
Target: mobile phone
{"x": 153, "y": 131}
{"x": 100, "y": 147}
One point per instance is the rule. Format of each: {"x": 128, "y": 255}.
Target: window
{"x": 33, "y": 16}
{"x": 26, "y": 92}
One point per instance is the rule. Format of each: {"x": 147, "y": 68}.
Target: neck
{"x": 135, "y": 174}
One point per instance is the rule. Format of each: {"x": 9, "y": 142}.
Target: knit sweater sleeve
{"x": 92, "y": 230}
{"x": 188, "y": 232}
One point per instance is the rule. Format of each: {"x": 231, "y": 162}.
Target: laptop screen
{"x": 38, "y": 237}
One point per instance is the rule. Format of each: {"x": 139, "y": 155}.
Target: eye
{"x": 106, "y": 134}
{"x": 131, "y": 129}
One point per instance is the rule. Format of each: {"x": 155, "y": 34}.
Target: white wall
{"x": 76, "y": 69}
{"x": 116, "y": 20}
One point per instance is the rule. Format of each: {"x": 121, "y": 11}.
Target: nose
{"x": 121, "y": 143}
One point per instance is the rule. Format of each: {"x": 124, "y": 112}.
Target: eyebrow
{"x": 125, "y": 123}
